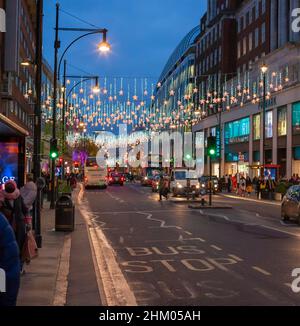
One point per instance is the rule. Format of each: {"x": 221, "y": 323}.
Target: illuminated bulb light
{"x": 110, "y": 98}
{"x": 121, "y": 93}
{"x": 287, "y": 79}
{"x": 98, "y": 102}
{"x": 81, "y": 91}
{"x": 142, "y": 103}
{"x": 172, "y": 93}
{"x": 91, "y": 96}
{"x": 145, "y": 92}
{"x": 271, "y": 86}
{"x": 227, "y": 107}
{"x": 29, "y": 91}
{"x": 165, "y": 102}
{"x": 74, "y": 95}
{"x": 159, "y": 85}
{"x": 128, "y": 103}
{"x": 152, "y": 97}
{"x": 105, "y": 91}
{"x": 135, "y": 97}
{"x": 274, "y": 74}
{"x": 242, "y": 104}
{"x": 68, "y": 82}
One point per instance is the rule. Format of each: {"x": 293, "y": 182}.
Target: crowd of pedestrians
{"x": 245, "y": 186}
{"x": 15, "y": 226}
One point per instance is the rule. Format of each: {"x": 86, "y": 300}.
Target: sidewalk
{"x": 63, "y": 273}
{"x": 252, "y": 198}
{"x": 39, "y": 282}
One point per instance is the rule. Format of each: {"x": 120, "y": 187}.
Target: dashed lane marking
{"x": 216, "y": 247}
{"x": 260, "y": 270}
{"x": 235, "y": 257}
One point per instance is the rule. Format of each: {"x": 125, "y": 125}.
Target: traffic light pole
{"x": 210, "y": 181}
{"x": 56, "y": 47}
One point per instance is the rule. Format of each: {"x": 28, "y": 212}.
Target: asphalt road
{"x": 168, "y": 254}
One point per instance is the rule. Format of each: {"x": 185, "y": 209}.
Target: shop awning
{"x": 10, "y": 128}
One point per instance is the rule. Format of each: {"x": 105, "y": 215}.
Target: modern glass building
{"x": 174, "y": 93}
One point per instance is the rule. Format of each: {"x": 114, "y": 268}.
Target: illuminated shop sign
{"x": 8, "y": 162}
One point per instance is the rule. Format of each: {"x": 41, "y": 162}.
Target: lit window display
{"x": 282, "y": 118}
{"x": 256, "y": 127}
{"x": 269, "y": 124}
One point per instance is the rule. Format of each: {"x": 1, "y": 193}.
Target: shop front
{"x": 12, "y": 151}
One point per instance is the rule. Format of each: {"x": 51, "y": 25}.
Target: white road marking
{"x": 215, "y": 215}
{"x": 264, "y": 293}
{"x": 235, "y": 257}
{"x": 216, "y": 247}
{"x": 61, "y": 286}
{"x": 181, "y": 238}
{"x": 279, "y": 230}
{"x": 252, "y": 200}
{"x": 188, "y": 233}
{"x": 260, "y": 270}
{"x": 113, "y": 287}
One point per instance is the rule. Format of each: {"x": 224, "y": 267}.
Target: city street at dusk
{"x": 150, "y": 160}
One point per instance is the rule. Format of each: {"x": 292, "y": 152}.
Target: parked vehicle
{"x": 290, "y": 207}
{"x": 180, "y": 178}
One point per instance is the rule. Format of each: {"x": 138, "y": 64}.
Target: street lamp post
{"x": 103, "y": 47}
{"x": 264, "y": 70}
{"x": 37, "y": 120}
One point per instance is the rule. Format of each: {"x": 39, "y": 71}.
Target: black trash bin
{"x": 64, "y": 214}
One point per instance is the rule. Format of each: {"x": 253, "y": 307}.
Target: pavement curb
{"x": 209, "y": 207}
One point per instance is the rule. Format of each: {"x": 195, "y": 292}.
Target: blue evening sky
{"x": 143, "y": 33}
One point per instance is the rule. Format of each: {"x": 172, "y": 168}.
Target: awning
{"x": 10, "y": 128}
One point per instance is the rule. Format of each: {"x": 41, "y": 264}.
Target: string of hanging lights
{"x": 134, "y": 101}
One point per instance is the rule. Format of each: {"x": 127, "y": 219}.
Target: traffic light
{"x": 211, "y": 146}
{"x": 53, "y": 149}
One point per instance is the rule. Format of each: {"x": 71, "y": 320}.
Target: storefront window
{"x": 256, "y": 127}
{"x": 296, "y": 118}
{"x": 282, "y": 118}
{"x": 269, "y": 124}
{"x": 237, "y": 131}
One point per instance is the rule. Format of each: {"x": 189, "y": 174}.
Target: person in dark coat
{"x": 14, "y": 209}
{"x": 9, "y": 263}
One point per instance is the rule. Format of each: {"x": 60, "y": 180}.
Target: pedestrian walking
{"x": 14, "y": 209}
{"x": 249, "y": 186}
{"x": 229, "y": 184}
{"x": 9, "y": 262}
{"x": 29, "y": 193}
{"x": 242, "y": 186}
{"x": 163, "y": 188}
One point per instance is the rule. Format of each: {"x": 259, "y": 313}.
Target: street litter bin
{"x": 64, "y": 214}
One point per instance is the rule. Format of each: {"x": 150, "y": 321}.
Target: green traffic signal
{"x": 53, "y": 149}
{"x": 212, "y": 152}
{"x": 211, "y": 146}
{"x": 54, "y": 155}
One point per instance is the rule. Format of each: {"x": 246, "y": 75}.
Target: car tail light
{"x": 110, "y": 179}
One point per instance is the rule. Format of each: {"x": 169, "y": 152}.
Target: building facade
{"x": 263, "y": 36}
{"x": 175, "y": 90}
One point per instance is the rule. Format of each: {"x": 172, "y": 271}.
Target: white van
{"x": 179, "y": 182}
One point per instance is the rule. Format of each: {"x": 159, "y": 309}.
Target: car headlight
{"x": 198, "y": 186}
{"x": 146, "y": 178}
{"x": 179, "y": 186}
{"x": 203, "y": 185}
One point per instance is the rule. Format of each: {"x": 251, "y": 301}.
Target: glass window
{"x": 256, "y": 37}
{"x": 238, "y": 131}
{"x": 256, "y": 127}
{"x": 263, "y": 33}
{"x": 269, "y": 124}
{"x": 250, "y": 42}
{"x": 296, "y": 118}
{"x": 282, "y": 117}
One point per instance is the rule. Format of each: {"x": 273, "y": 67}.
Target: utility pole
{"x": 56, "y": 47}
{"x": 64, "y": 117}
{"x": 38, "y": 119}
